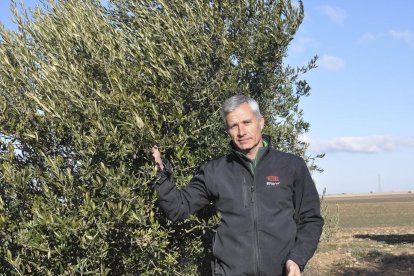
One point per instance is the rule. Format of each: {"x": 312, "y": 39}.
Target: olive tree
{"x": 87, "y": 88}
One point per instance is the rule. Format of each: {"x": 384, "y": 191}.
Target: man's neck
{"x": 253, "y": 159}
{"x": 252, "y": 153}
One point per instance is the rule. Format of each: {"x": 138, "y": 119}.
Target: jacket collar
{"x": 267, "y": 144}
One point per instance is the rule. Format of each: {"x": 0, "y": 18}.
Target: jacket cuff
{"x": 165, "y": 173}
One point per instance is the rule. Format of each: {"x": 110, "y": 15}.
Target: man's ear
{"x": 262, "y": 121}
{"x": 225, "y": 128}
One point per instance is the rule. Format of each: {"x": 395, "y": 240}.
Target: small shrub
{"x": 331, "y": 219}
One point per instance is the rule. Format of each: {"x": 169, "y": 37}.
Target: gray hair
{"x": 234, "y": 102}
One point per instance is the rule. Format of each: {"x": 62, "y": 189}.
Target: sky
{"x": 361, "y": 107}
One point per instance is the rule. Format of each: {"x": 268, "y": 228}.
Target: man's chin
{"x": 244, "y": 147}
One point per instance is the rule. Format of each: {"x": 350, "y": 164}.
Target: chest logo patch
{"x": 272, "y": 180}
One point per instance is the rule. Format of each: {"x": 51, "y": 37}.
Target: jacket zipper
{"x": 254, "y": 215}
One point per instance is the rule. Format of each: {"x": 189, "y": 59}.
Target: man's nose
{"x": 242, "y": 130}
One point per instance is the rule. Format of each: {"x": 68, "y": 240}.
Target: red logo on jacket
{"x": 272, "y": 180}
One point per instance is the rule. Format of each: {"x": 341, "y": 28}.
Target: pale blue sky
{"x": 361, "y": 107}
{"x": 361, "y": 104}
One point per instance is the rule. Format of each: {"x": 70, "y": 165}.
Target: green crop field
{"x": 373, "y": 210}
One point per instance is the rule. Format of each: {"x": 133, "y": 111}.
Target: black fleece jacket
{"x": 267, "y": 217}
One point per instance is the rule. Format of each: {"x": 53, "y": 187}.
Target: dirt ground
{"x": 366, "y": 251}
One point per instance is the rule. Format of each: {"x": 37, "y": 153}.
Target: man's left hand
{"x": 292, "y": 268}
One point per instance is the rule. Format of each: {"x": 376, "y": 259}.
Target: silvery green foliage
{"x": 331, "y": 218}
{"x": 86, "y": 89}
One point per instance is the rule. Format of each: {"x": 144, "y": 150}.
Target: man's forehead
{"x": 240, "y": 113}
{"x": 243, "y": 108}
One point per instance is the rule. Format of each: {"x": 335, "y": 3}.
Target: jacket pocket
{"x": 216, "y": 268}
{"x": 245, "y": 192}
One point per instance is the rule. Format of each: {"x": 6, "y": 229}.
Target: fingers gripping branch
{"x": 157, "y": 158}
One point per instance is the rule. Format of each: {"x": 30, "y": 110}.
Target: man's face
{"x": 245, "y": 129}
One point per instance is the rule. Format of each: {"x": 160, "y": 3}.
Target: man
{"x": 270, "y": 213}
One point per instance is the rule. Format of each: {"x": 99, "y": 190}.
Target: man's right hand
{"x": 157, "y": 158}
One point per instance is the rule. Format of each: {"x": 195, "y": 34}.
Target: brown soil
{"x": 366, "y": 251}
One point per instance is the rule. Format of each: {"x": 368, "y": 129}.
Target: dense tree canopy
{"x": 86, "y": 89}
